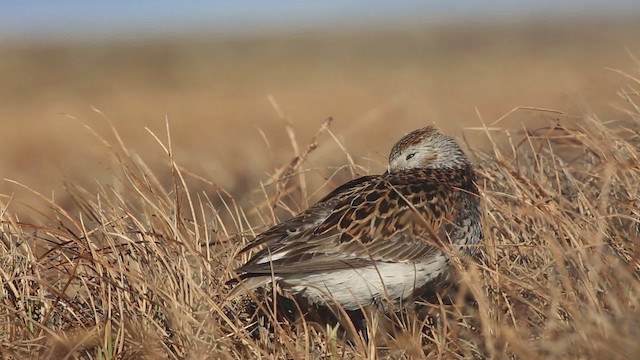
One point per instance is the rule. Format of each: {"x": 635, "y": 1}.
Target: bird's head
{"x": 426, "y": 148}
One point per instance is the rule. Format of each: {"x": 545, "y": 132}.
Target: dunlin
{"x": 376, "y": 237}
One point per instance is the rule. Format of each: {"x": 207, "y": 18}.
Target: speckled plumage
{"x": 378, "y": 236}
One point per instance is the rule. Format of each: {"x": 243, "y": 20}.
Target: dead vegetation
{"x": 376, "y": 84}
{"x": 137, "y": 269}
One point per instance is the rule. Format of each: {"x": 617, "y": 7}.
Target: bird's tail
{"x": 247, "y": 285}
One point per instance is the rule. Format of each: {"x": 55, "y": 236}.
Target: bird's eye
{"x": 410, "y": 156}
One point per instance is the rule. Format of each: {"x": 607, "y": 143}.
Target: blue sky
{"x": 66, "y": 19}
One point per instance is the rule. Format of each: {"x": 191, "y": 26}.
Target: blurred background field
{"x": 378, "y": 80}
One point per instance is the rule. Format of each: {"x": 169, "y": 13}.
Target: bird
{"x": 377, "y": 237}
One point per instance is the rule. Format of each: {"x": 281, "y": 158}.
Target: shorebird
{"x": 376, "y": 237}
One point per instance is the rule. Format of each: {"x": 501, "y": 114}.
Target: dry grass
{"x": 129, "y": 260}
{"x": 139, "y": 270}
{"x": 376, "y": 85}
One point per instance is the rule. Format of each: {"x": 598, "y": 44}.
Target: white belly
{"x": 354, "y": 288}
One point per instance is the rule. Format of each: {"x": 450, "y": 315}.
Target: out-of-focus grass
{"x": 375, "y": 85}
{"x": 140, "y": 269}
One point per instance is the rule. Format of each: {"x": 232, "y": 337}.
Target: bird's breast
{"x": 353, "y": 288}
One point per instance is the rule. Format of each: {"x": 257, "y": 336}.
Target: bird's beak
{"x": 386, "y": 172}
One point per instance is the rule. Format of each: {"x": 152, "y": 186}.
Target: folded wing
{"x": 399, "y": 218}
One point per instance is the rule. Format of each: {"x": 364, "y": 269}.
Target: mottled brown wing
{"x": 397, "y": 217}
{"x": 308, "y": 219}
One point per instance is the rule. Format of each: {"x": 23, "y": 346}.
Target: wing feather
{"x": 309, "y": 218}
{"x": 399, "y": 217}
